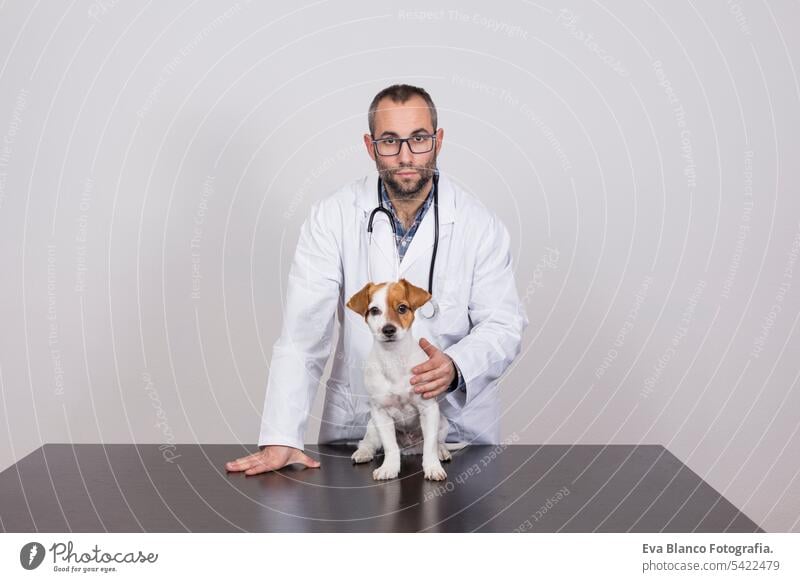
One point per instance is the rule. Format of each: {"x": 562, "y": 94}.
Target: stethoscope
{"x": 421, "y": 311}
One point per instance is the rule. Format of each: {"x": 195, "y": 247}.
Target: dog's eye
{"x": 402, "y": 309}
{"x": 374, "y": 311}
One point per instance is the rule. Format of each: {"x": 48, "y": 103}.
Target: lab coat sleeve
{"x": 302, "y": 350}
{"x": 498, "y": 317}
{"x": 458, "y": 381}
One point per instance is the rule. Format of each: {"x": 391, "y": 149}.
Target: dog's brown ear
{"x": 416, "y": 297}
{"x": 360, "y": 301}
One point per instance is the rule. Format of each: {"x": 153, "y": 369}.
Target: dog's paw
{"x": 434, "y": 472}
{"x": 444, "y": 453}
{"x": 385, "y": 472}
{"x": 362, "y": 455}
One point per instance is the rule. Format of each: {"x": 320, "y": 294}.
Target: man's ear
{"x": 360, "y": 301}
{"x": 416, "y": 297}
{"x": 369, "y": 146}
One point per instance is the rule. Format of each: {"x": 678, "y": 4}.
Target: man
{"x": 479, "y": 324}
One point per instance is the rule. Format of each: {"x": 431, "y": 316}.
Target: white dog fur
{"x": 397, "y": 412}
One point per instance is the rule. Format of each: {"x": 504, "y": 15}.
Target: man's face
{"x": 405, "y": 174}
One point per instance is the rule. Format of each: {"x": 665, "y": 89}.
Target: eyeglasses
{"x": 417, "y": 144}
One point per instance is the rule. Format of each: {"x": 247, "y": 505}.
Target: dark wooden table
{"x": 551, "y": 488}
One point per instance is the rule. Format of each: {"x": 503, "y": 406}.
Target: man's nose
{"x": 405, "y": 155}
{"x": 388, "y": 330}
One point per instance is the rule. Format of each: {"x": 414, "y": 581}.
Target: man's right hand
{"x": 271, "y": 458}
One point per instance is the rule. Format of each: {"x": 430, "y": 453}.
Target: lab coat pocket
{"x": 344, "y": 418}
{"x": 337, "y": 413}
{"x": 451, "y": 324}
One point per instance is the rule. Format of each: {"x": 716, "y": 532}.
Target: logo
{"x": 66, "y": 559}
{"x": 31, "y": 555}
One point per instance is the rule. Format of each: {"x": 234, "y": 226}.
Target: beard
{"x": 405, "y": 189}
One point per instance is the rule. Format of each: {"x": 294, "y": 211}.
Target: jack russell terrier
{"x": 397, "y": 412}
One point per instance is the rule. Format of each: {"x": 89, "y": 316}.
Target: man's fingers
{"x": 422, "y": 379}
{"x": 258, "y": 463}
{"x": 428, "y": 347}
{"x": 434, "y": 392}
{"x": 432, "y": 365}
{"x": 262, "y": 464}
{"x": 428, "y": 364}
{"x": 249, "y": 462}
{"x": 260, "y": 467}
{"x": 241, "y": 464}
{"x": 435, "y": 382}
{"x": 425, "y": 389}
{"x": 439, "y": 371}
{"x": 298, "y": 457}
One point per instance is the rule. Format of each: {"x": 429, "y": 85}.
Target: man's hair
{"x": 400, "y": 94}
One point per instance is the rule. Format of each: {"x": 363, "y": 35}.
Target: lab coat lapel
{"x": 422, "y": 243}
{"x": 380, "y": 252}
{"x": 421, "y": 246}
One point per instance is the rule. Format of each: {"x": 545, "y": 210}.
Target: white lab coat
{"x": 479, "y": 325}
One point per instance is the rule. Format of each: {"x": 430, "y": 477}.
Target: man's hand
{"x": 434, "y": 376}
{"x": 270, "y": 458}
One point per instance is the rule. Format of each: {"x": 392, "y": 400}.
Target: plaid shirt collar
{"x": 403, "y": 237}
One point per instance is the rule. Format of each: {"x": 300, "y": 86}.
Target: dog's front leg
{"x": 384, "y": 423}
{"x": 429, "y": 422}
{"x": 368, "y": 445}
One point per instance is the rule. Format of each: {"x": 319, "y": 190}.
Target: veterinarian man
{"x": 470, "y": 341}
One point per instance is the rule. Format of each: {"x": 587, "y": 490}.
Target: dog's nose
{"x": 389, "y": 330}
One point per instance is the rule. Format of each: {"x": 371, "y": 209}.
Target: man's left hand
{"x": 434, "y": 376}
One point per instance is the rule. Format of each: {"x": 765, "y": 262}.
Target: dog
{"x": 398, "y": 414}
